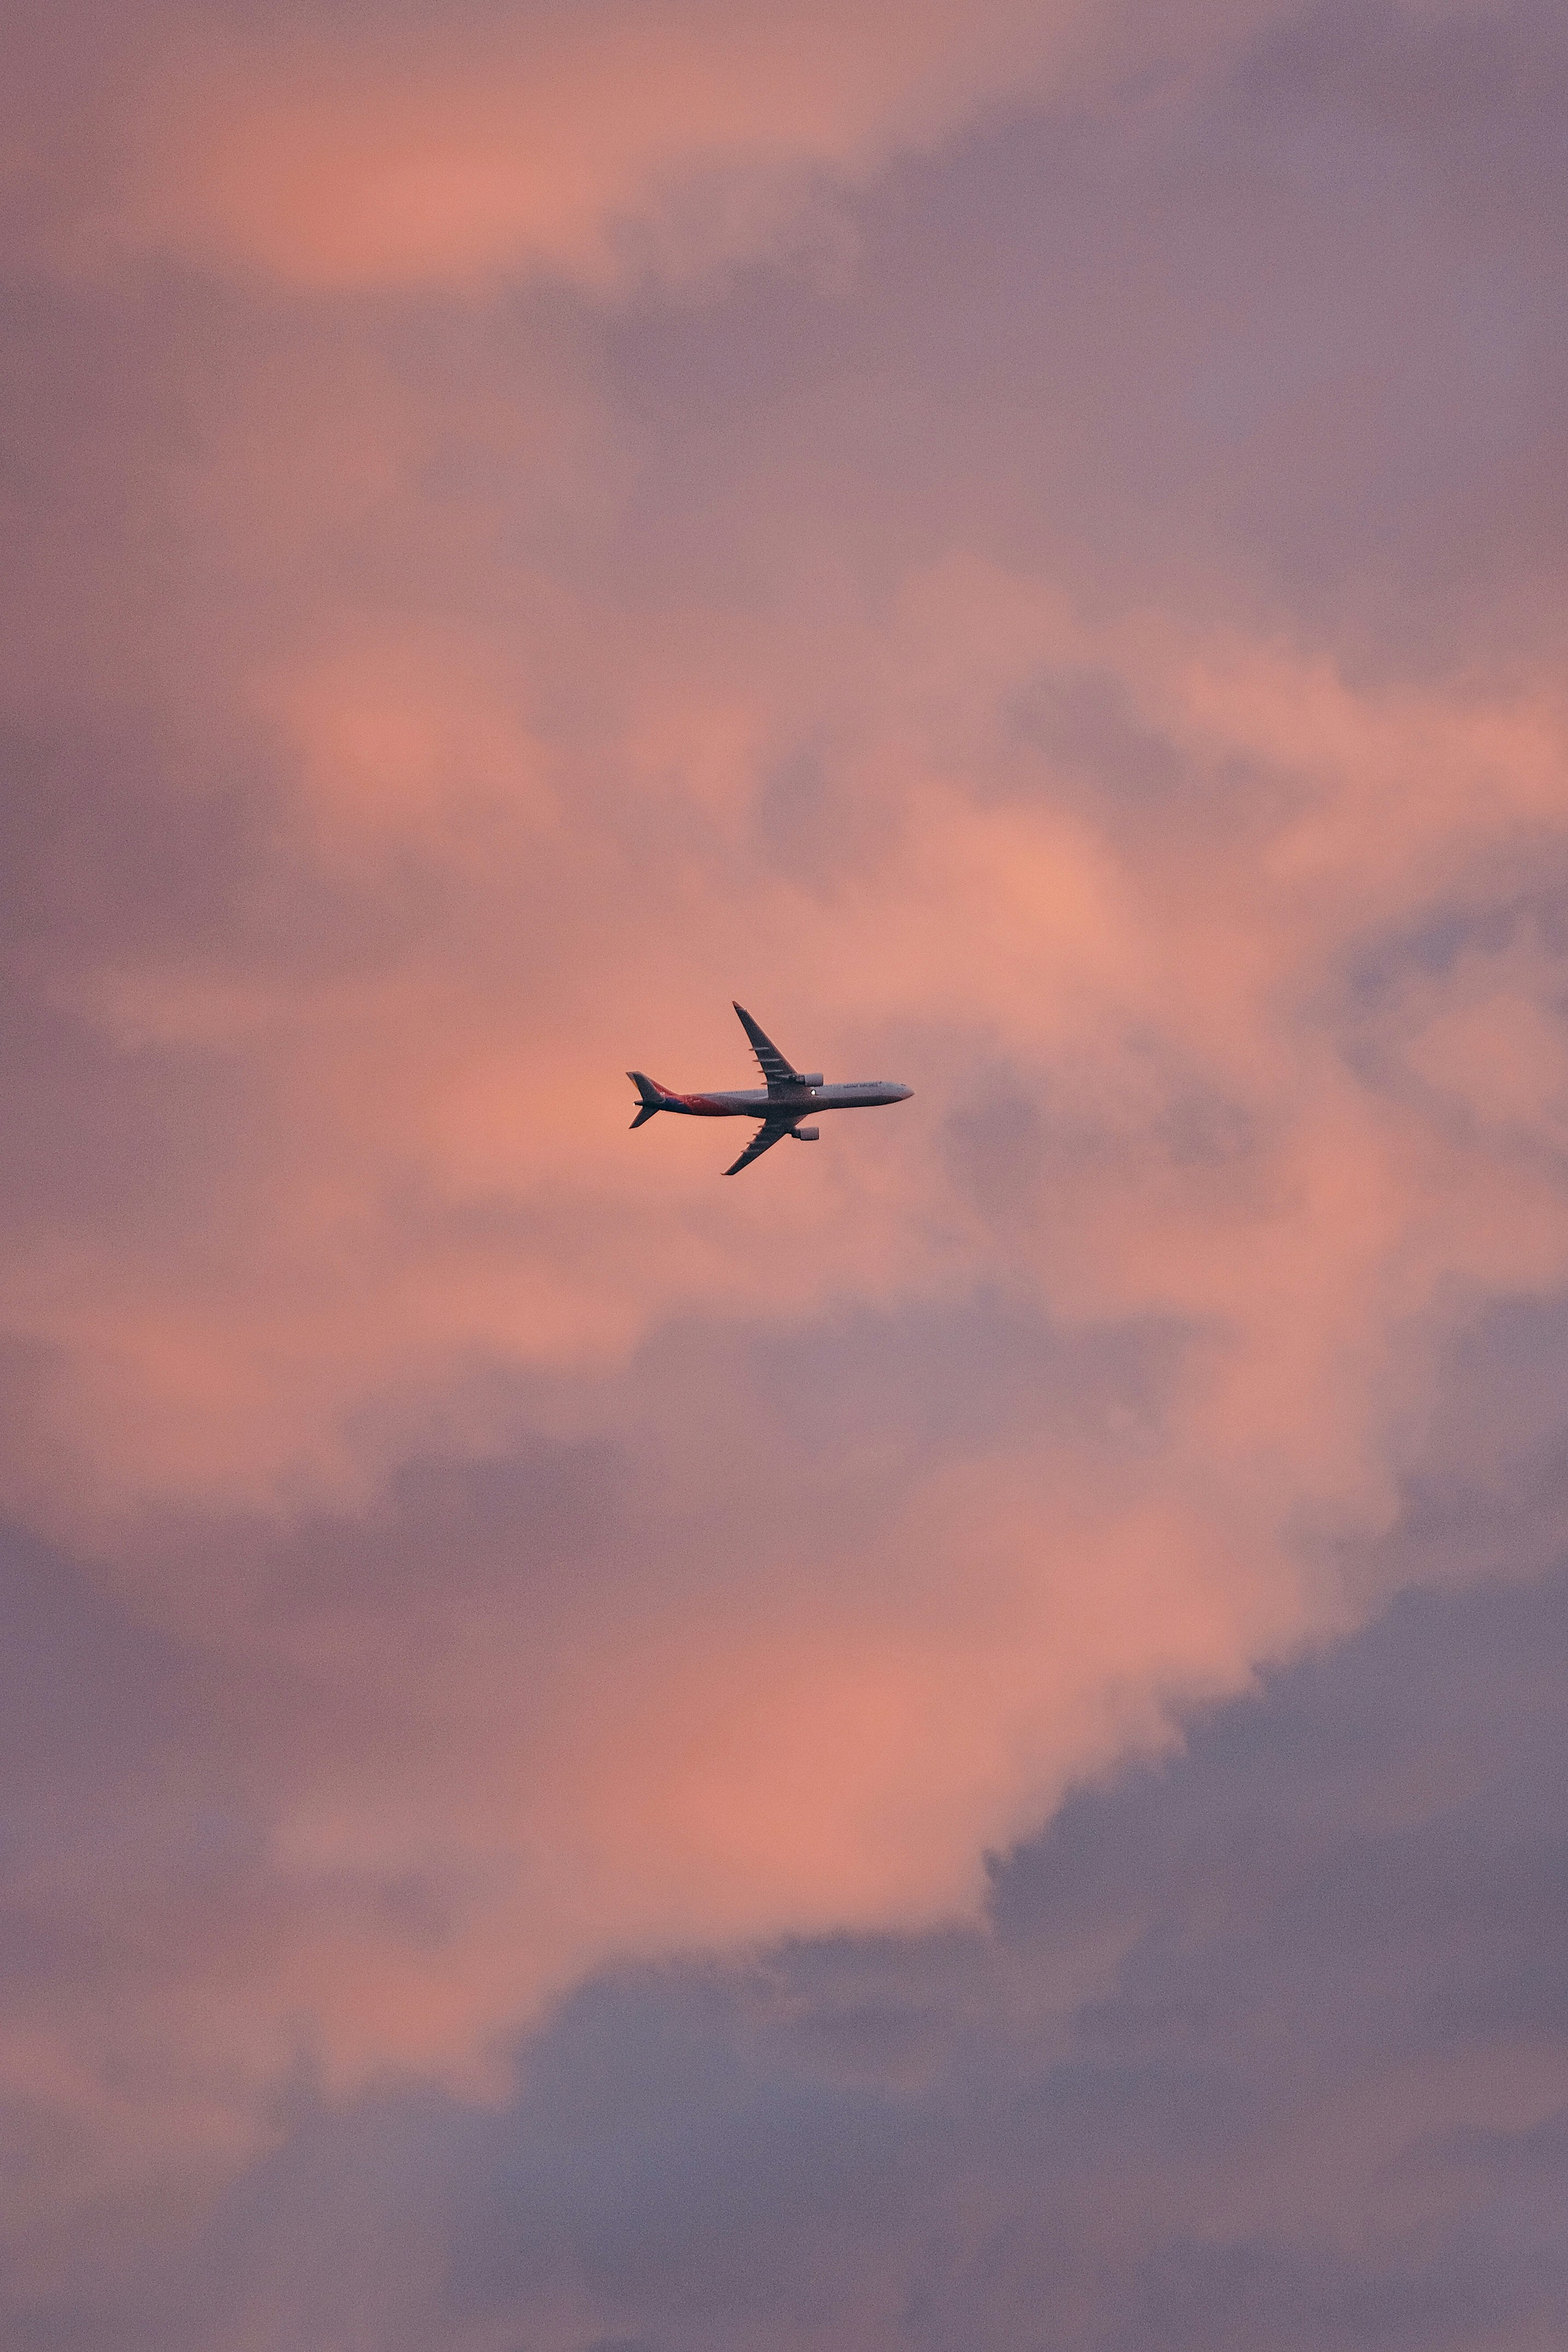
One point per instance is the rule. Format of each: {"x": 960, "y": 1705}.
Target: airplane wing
{"x": 778, "y": 1073}
{"x": 771, "y": 1132}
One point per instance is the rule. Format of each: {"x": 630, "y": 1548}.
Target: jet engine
{"x": 805, "y": 1134}
{"x": 810, "y": 1079}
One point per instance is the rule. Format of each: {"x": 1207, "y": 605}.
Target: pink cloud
{"x": 462, "y": 696}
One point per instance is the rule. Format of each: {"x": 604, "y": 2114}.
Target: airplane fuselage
{"x": 797, "y": 1102}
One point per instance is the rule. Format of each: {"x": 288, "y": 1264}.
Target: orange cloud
{"x": 515, "y": 736}
{"x": 595, "y": 143}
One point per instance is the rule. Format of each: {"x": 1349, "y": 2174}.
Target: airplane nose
{"x": 905, "y": 1093}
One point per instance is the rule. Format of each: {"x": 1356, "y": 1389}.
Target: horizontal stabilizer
{"x": 653, "y": 1095}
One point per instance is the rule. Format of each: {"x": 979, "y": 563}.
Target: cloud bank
{"x": 1268, "y": 2044}
{"x": 1028, "y": 547}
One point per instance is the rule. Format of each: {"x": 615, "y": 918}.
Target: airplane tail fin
{"x": 653, "y": 1095}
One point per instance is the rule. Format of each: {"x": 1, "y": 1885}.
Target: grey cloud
{"x": 72, "y": 1659}
{"x": 1197, "y": 2086}
{"x": 1306, "y": 317}
{"x": 1358, "y": 1873}
{"x": 1489, "y": 1490}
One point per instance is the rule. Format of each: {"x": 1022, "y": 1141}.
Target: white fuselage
{"x": 794, "y": 1102}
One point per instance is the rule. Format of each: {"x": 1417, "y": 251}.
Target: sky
{"x": 958, "y": 1745}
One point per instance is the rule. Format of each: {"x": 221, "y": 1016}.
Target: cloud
{"x": 1094, "y": 653}
{"x": 607, "y": 145}
{"x": 610, "y": 145}
{"x": 1265, "y": 2039}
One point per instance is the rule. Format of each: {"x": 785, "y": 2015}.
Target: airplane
{"x": 780, "y": 1105}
